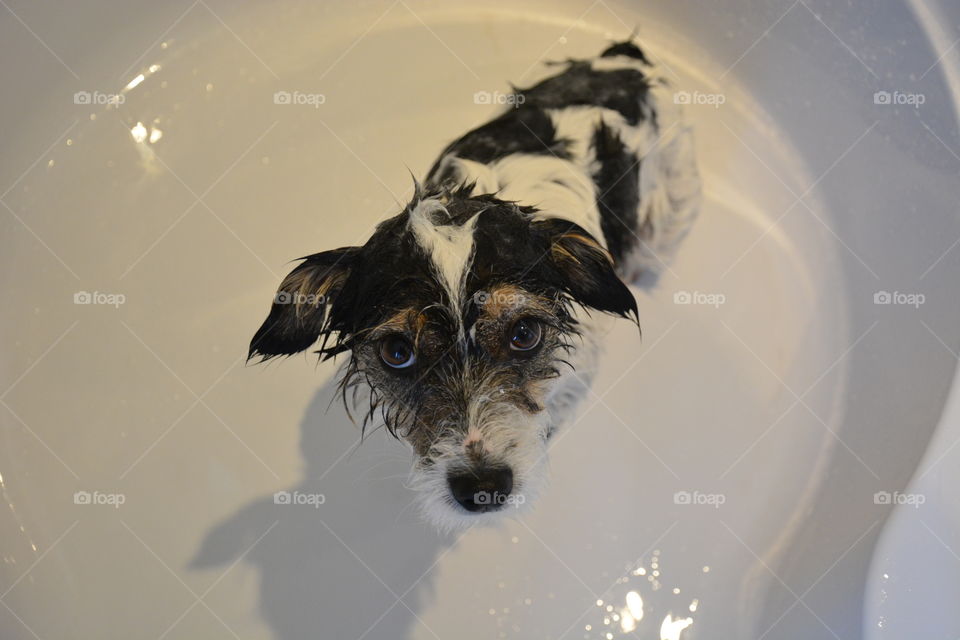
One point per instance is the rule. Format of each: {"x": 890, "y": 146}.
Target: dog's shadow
{"x": 331, "y": 570}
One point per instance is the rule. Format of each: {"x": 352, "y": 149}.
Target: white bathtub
{"x": 732, "y": 468}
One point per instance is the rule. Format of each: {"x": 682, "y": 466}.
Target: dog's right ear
{"x": 301, "y": 308}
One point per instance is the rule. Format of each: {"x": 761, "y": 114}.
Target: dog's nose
{"x": 483, "y": 489}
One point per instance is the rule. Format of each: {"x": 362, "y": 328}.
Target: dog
{"x": 472, "y": 318}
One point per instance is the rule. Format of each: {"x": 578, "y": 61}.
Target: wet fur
{"x": 541, "y": 213}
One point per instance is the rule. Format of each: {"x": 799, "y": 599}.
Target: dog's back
{"x": 600, "y": 143}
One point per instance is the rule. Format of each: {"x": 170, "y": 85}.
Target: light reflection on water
{"x": 637, "y": 606}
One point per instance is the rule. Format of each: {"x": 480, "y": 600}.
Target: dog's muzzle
{"x": 481, "y": 489}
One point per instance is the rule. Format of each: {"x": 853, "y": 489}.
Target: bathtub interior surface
{"x": 914, "y": 582}
{"x": 778, "y": 402}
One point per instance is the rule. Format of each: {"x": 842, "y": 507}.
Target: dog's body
{"x": 599, "y": 144}
{"x": 467, "y": 315}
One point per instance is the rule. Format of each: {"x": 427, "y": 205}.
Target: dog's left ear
{"x": 586, "y": 269}
{"x": 302, "y": 305}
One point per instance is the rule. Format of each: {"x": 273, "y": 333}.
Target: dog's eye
{"x": 525, "y": 334}
{"x": 397, "y": 352}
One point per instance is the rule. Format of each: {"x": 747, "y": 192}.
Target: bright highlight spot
{"x": 671, "y": 629}
{"x": 139, "y": 132}
{"x": 627, "y": 622}
{"x": 635, "y": 605}
{"x": 135, "y": 82}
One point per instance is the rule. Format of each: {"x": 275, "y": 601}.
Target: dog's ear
{"x": 301, "y": 308}
{"x": 586, "y": 271}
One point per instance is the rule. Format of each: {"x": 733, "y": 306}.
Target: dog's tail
{"x": 628, "y": 48}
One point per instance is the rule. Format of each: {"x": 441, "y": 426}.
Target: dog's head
{"x": 460, "y": 317}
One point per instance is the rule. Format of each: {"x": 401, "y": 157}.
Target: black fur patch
{"x": 628, "y": 49}
{"x": 618, "y": 191}
{"x": 391, "y": 272}
{"x": 298, "y": 316}
{"x": 551, "y": 258}
{"x": 583, "y": 270}
{"x": 621, "y": 90}
{"x": 523, "y": 130}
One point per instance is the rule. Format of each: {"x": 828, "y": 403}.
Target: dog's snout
{"x": 481, "y": 489}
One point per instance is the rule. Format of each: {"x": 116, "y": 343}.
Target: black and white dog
{"x": 468, "y": 315}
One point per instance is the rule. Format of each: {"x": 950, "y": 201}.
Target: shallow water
{"x": 190, "y": 198}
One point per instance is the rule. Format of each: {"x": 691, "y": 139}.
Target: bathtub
{"x": 733, "y": 474}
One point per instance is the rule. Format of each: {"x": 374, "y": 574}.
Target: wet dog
{"x": 471, "y": 317}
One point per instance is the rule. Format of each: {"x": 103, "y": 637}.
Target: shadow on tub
{"x": 311, "y": 583}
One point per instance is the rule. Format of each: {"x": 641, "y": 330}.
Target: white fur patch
{"x": 669, "y": 180}
{"x": 576, "y": 125}
{"x": 449, "y": 246}
{"x": 670, "y": 190}
{"x": 508, "y": 436}
{"x": 556, "y": 187}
